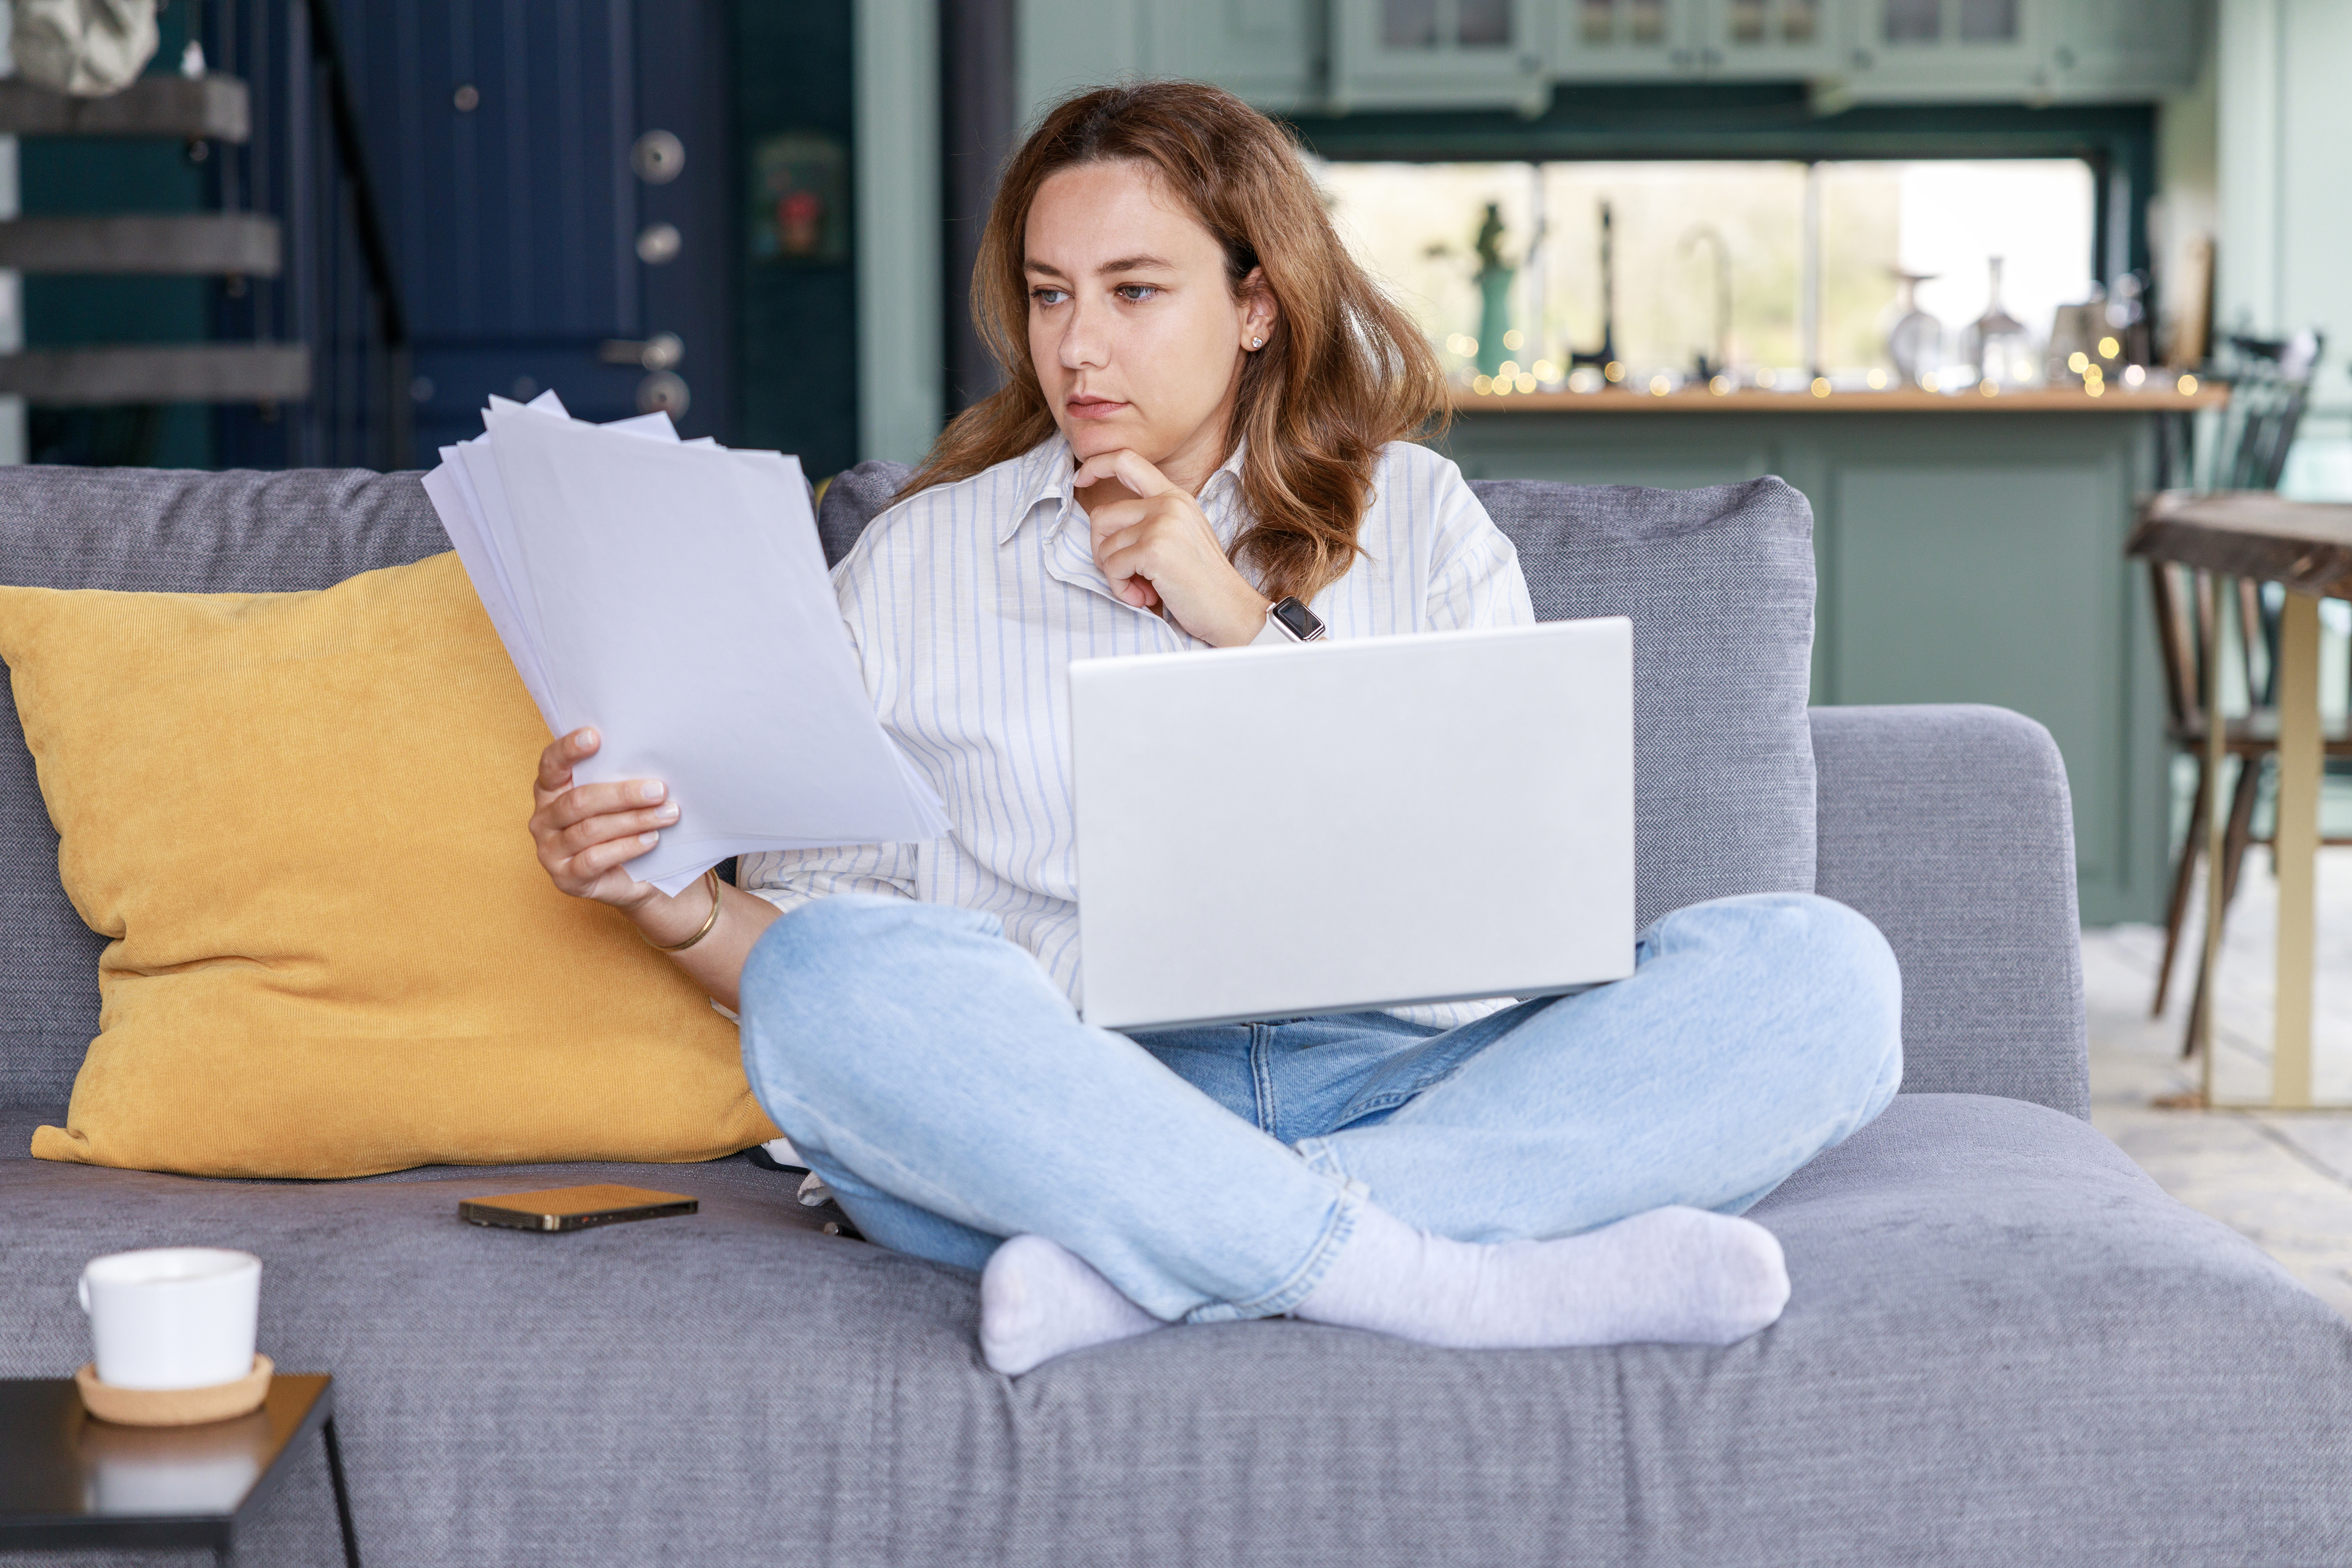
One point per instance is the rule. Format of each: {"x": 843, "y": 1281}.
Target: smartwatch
{"x": 1294, "y": 621}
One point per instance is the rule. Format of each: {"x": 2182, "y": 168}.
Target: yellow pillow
{"x": 301, "y": 818}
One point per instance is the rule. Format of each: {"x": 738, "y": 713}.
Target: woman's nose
{"x": 1086, "y": 341}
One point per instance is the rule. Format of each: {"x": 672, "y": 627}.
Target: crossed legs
{"x": 1491, "y": 1186}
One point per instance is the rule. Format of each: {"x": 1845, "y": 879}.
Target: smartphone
{"x": 572, "y": 1208}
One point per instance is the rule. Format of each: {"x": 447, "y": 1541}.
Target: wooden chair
{"x": 2186, "y": 602}
{"x": 2267, "y": 396}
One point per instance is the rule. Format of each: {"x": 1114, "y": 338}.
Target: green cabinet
{"x": 1963, "y": 557}
{"x": 1269, "y": 52}
{"x": 2038, "y": 50}
{"x": 1335, "y": 56}
{"x": 1657, "y": 40}
{"x": 1430, "y": 54}
{"x": 1769, "y": 39}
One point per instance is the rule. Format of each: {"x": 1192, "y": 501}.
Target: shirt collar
{"x": 1049, "y": 467}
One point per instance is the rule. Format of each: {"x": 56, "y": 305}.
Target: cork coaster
{"x": 174, "y": 1406}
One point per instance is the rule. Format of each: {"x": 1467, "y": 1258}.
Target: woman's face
{"x": 1136, "y": 338}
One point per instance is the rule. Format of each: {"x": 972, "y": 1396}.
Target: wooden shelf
{"x": 214, "y": 107}
{"x": 180, "y": 243}
{"x": 131, "y": 373}
{"x": 1751, "y": 400}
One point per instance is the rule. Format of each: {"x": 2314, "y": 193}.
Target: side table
{"x": 68, "y": 1479}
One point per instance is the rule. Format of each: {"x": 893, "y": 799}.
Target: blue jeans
{"x": 942, "y": 1085}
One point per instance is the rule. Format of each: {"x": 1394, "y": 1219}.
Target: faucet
{"x": 1708, "y": 368}
{"x": 1606, "y": 354}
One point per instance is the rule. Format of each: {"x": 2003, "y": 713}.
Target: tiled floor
{"x": 2283, "y": 1178}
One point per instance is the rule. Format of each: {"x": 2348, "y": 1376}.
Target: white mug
{"x": 172, "y": 1317}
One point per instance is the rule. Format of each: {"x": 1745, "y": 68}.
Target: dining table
{"x": 2305, "y": 546}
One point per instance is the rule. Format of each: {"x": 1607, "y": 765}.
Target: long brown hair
{"x": 1344, "y": 373}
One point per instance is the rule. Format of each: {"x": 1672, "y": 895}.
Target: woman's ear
{"x": 1258, "y": 310}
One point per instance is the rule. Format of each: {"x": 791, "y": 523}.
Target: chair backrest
{"x": 2258, "y": 429}
{"x": 2186, "y": 600}
{"x": 2270, "y": 383}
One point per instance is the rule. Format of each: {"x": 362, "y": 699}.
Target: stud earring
{"x": 1258, "y": 342}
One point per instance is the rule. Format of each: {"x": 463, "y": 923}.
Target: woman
{"x": 1207, "y": 415}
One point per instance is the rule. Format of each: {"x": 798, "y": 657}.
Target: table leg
{"x": 2216, "y": 753}
{"x": 342, "y": 1494}
{"x": 2297, "y": 847}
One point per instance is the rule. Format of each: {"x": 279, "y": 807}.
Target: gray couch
{"x": 2005, "y": 1346}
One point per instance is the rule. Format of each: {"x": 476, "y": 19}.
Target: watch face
{"x": 1300, "y": 622}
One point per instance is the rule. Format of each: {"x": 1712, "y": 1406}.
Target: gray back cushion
{"x": 1719, "y": 586}
{"x": 143, "y": 531}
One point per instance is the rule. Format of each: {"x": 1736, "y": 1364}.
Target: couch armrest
{"x": 1951, "y": 827}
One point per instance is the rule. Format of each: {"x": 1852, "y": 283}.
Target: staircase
{"x": 308, "y": 361}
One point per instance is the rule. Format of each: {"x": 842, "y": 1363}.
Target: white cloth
{"x": 87, "y": 48}
{"x": 966, "y": 601}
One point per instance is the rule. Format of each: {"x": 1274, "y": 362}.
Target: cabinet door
{"x": 1768, "y": 38}
{"x": 2120, "y": 48}
{"x": 1621, "y": 40}
{"x": 1921, "y": 50}
{"x": 1268, "y": 52}
{"x": 1430, "y": 54}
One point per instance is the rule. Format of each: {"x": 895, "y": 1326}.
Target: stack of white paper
{"x": 672, "y": 594}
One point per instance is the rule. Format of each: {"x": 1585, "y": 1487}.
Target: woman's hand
{"x": 588, "y": 833}
{"x": 1155, "y": 544}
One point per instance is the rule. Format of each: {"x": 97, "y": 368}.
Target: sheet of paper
{"x": 679, "y": 601}
{"x": 452, "y": 494}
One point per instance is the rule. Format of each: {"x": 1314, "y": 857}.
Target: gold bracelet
{"x": 710, "y": 920}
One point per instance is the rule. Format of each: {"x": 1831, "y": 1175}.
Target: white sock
{"x": 1038, "y": 1301}
{"x": 1676, "y": 1275}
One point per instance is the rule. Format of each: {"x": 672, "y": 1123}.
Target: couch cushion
{"x": 149, "y": 532}
{"x": 2006, "y": 1346}
{"x": 300, "y": 817}
{"x": 1719, "y": 585}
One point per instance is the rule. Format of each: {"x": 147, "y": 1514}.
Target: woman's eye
{"x": 1048, "y": 297}
{"x": 1136, "y": 293}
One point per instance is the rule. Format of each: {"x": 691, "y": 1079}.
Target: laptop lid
{"x": 1341, "y": 826}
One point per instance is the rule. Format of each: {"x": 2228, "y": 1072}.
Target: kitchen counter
{"x": 1697, "y": 399}
{"x": 1978, "y": 557}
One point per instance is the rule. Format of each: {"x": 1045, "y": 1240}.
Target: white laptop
{"x": 1341, "y": 826}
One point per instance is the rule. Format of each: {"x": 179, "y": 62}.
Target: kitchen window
{"x": 1757, "y": 270}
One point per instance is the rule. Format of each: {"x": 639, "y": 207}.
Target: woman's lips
{"x": 1093, "y": 407}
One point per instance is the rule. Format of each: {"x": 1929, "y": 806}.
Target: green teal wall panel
{"x": 1956, "y": 584}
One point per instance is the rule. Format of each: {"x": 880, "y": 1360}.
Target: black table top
{"x": 69, "y": 1478}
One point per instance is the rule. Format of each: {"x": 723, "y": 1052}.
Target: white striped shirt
{"x": 968, "y": 601}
